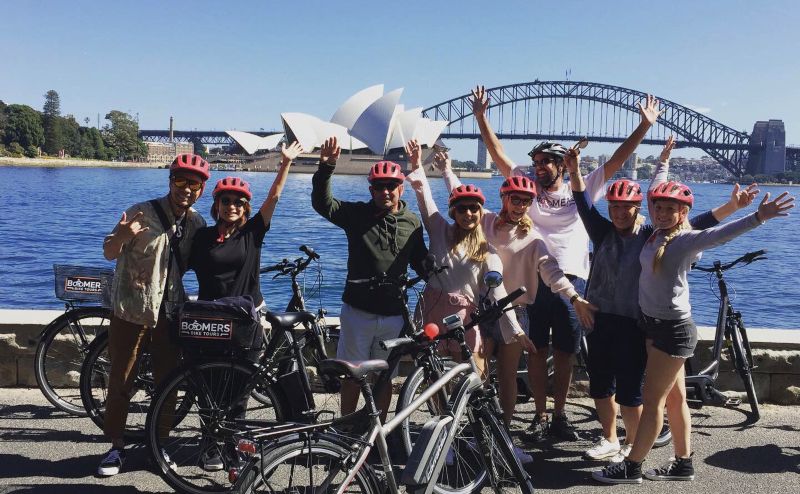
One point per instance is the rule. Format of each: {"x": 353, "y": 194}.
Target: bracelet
{"x": 573, "y": 298}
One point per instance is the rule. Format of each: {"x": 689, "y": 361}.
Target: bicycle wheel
{"x": 60, "y": 354}
{"x": 309, "y": 464}
{"x": 463, "y": 471}
{"x": 506, "y": 474}
{"x": 203, "y": 425}
{"x": 742, "y": 364}
{"x": 94, "y": 388}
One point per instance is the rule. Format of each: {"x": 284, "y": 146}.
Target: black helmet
{"x": 551, "y": 148}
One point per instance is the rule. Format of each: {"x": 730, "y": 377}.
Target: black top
{"x": 231, "y": 267}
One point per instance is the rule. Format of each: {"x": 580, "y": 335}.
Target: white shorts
{"x": 361, "y": 333}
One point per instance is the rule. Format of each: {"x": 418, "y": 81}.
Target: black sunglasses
{"x": 390, "y": 186}
{"x": 227, "y": 201}
{"x": 181, "y": 183}
{"x": 472, "y": 208}
{"x": 518, "y": 201}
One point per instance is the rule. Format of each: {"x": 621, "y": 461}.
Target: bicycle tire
{"x": 463, "y": 471}
{"x": 202, "y": 391}
{"x": 505, "y": 473}
{"x": 60, "y": 354}
{"x": 742, "y": 365}
{"x": 299, "y": 465}
{"x": 94, "y": 382}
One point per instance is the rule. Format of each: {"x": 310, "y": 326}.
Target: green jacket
{"x": 377, "y": 242}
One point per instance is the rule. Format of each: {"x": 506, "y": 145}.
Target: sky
{"x": 239, "y": 64}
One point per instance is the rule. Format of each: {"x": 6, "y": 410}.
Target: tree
{"x": 51, "y": 120}
{"x": 23, "y": 126}
{"x": 122, "y": 136}
{"x": 70, "y": 135}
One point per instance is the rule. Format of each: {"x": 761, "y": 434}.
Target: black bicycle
{"x": 732, "y": 335}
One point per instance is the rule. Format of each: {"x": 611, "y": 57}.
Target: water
{"x": 61, "y": 215}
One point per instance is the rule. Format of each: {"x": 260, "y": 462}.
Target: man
{"x": 383, "y": 236}
{"x": 151, "y": 244}
{"x": 555, "y": 217}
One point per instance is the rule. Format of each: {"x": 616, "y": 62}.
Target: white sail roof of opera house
{"x": 252, "y": 143}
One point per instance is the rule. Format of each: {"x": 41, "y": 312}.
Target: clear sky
{"x": 239, "y": 64}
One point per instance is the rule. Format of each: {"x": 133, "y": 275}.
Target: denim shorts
{"x": 552, "y": 310}
{"x": 617, "y": 359}
{"x": 493, "y": 330}
{"x": 675, "y": 337}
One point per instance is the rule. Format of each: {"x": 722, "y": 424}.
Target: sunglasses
{"x": 227, "y": 201}
{"x": 463, "y": 208}
{"x": 181, "y": 183}
{"x": 390, "y": 186}
{"x": 518, "y": 201}
{"x": 543, "y": 162}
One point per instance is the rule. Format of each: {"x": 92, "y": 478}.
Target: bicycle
{"x": 730, "y": 332}
{"x": 317, "y": 459}
{"x": 63, "y": 344}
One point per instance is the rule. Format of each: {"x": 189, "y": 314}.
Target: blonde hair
{"x": 524, "y": 225}
{"x": 472, "y": 242}
{"x": 667, "y": 239}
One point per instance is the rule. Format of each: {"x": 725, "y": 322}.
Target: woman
{"x": 669, "y": 330}
{"x": 617, "y": 353}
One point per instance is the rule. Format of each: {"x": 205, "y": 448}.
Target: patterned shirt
{"x": 141, "y": 274}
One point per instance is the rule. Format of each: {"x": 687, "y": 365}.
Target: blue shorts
{"x": 617, "y": 359}
{"x": 552, "y": 310}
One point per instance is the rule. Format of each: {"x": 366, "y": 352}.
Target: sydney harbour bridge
{"x": 568, "y": 110}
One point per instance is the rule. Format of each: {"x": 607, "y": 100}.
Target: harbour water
{"x": 60, "y": 216}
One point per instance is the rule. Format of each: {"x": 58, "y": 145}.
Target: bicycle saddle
{"x": 357, "y": 369}
{"x": 289, "y": 319}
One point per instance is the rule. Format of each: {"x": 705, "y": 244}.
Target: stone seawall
{"x": 776, "y": 354}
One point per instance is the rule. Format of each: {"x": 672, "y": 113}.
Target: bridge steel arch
{"x": 691, "y": 128}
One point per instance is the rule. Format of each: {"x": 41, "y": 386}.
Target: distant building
{"x": 484, "y": 160}
{"x": 771, "y": 158}
{"x": 602, "y": 159}
{"x": 160, "y": 152}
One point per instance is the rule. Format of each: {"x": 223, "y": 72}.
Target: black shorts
{"x": 551, "y": 310}
{"x": 617, "y": 359}
{"x": 675, "y": 337}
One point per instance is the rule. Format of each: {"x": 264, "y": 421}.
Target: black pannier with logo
{"x": 230, "y": 324}
{"x": 83, "y": 284}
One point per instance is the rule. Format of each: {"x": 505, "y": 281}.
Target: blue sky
{"x": 239, "y": 64}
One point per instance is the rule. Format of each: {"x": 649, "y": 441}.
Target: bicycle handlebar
{"x": 287, "y": 267}
{"x": 746, "y": 259}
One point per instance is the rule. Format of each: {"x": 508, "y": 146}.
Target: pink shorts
{"x": 435, "y": 305}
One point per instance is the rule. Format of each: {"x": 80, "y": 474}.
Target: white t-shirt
{"x": 555, "y": 218}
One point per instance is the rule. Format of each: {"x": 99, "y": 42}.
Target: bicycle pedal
{"x": 733, "y": 402}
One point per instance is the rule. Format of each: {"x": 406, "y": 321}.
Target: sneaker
{"x": 522, "y": 456}
{"x": 170, "y": 464}
{"x": 624, "y": 472}
{"x": 111, "y": 463}
{"x": 602, "y": 449}
{"x": 538, "y": 430}
{"x": 623, "y": 453}
{"x": 212, "y": 461}
{"x": 563, "y": 429}
{"x": 675, "y": 469}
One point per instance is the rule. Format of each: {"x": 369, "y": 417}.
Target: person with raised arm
{"x": 665, "y": 318}
{"x": 383, "y": 236}
{"x": 616, "y": 346}
{"x": 555, "y": 218}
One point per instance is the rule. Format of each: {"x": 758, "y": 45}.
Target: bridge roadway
{"x": 43, "y": 451}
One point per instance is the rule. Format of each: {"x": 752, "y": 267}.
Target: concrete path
{"x": 43, "y": 451}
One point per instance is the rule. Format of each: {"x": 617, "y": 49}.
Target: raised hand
{"x": 329, "y": 152}
{"x": 650, "y": 111}
{"x": 442, "y": 161}
{"x": 288, "y": 154}
{"x": 414, "y": 153}
{"x": 572, "y": 161}
{"x": 667, "y": 150}
{"x": 741, "y": 198}
{"x": 127, "y": 230}
{"x": 777, "y": 207}
{"x": 480, "y": 101}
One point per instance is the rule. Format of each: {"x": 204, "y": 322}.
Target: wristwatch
{"x": 573, "y": 298}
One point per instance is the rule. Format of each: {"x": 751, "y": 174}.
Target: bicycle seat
{"x": 357, "y": 369}
{"x": 289, "y": 319}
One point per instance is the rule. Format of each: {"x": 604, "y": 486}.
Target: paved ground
{"x": 43, "y": 451}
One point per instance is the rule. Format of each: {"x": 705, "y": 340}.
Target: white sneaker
{"x": 212, "y": 461}
{"x": 623, "y": 453}
{"x": 602, "y": 449}
{"x": 522, "y": 456}
{"x": 111, "y": 463}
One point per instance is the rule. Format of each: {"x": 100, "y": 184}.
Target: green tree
{"x": 51, "y": 121}
{"x": 3, "y": 120}
{"x": 23, "y": 126}
{"x": 70, "y": 135}
{"x": 92, "y": 145}
{"x": 122, "y": 136}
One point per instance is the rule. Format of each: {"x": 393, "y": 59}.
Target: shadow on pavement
{"x": 12, "y": 434}
{"x": 551, "y": 471}
{"x": 60, "y": 488}
{"x": 32, "y": 412}
{"x": 769, "y": 458}
{"x": 81, "y": 467}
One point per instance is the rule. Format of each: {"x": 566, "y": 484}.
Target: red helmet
{"x": 466, "y": 192}
{"x": 386, "y": 170}
{"x": 520, "y": 185}
{"x": 624, "y": 190}
{"x": 190, "y": 163}
{"x": 674, "y": 191}
{"x": 233, "y": 184}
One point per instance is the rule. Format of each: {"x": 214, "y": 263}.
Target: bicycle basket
{"x": 81, "y": 283}
{"x": 222, "y": 325}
